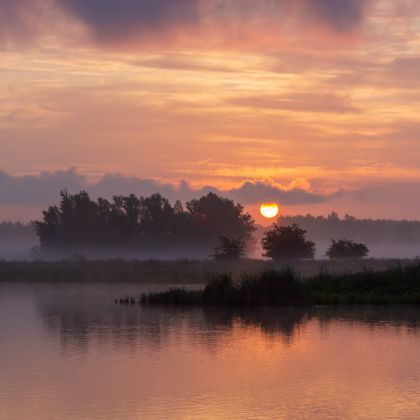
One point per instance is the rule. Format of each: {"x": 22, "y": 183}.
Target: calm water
{"x": 67, "y": 352}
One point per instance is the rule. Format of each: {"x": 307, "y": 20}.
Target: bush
{"x": 344, "y": 248}
{"x": 287, "y": 243}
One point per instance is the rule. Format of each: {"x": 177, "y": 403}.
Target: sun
{"x": 269, "y": 210}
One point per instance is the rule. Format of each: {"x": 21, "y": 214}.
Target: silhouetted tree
{"x": 74, "y": 222}
{"x": 287, "y": 243}
{"x": 229, "y": 249}
{"x": 345, "y": 248}
{"x": 143, "y": 224}
{"x": 213, "y": 216}
{"x": 157, "y": 219}
{"x": 120, "y": 220}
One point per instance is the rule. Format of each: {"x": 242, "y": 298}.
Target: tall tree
{"x": 215, "y": 216}
{"x": 148, "y": 225}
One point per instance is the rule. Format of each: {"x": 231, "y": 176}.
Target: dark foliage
{"x": 287, "y": 243}
{"x": 266, "y": 288}
{"x": 345, "y": 248}
{"x": 213, "y": 216}
{"x": 396, "y": 285}
{"x": 144, "y": 224}
{"x": 229, "y": 249}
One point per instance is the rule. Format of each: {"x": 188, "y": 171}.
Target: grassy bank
{"x": 122, "y": 271}
{"x": 170, "y": 272}
{"x": 395, "y": 285}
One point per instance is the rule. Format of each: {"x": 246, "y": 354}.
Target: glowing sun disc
{"x": 269, "y": 210}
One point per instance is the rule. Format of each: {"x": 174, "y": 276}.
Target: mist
{"x": 20, "y": 242}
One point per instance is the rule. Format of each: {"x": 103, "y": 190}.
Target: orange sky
{"x": 299, "y": 95}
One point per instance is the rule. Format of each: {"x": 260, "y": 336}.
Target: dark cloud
{"x": 43, "y": 189}
{"x": 23, "y": 197}
{"x": 110, "y": 19}
{"x": 341, "y": 15}
{"x": 123, "y": 20}
{"x": 37, "y": 189}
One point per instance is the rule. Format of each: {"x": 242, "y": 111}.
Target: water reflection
{"x": 153, "y": 326}
{"x": 70, "y": 352}
{"x": 78, "y": 321}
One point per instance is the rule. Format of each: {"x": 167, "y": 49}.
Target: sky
{"x": 310, "y": 103}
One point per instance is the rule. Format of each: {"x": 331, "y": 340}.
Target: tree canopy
{"x": 141, "y": 224}
{"x": 287, "y": 243}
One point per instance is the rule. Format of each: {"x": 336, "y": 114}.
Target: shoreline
{"x": 396, "y": 285}
{"x": 173, "y": 272}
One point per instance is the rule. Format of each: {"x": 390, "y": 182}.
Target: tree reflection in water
{"x": 80, "y": 320}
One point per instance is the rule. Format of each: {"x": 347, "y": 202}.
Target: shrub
{"x": 345, "y": 248}
{"x": 287, "y": 243}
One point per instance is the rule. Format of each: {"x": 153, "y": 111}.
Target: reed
{"x": 395, "y": 285}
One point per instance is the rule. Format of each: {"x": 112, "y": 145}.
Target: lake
{"x": 68, "y": 352}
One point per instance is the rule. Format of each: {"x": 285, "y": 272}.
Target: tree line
{"x": 153, "y": 226}
{"x": 147, "y": 225}
{"x": 372, "y": 231}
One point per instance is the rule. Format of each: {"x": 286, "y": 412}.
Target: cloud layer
{"x": 23, "y": 197}
{"x": 215, "y": 92}
{"x": 43, "y": 189}
{"x": 119, "y": 21}
{"x": 128, "y": 18}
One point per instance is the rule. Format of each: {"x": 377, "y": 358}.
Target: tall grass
{"x": 396, "y": 285}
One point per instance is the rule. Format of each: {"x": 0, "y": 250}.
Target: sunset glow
{"x": 313, "y": 102}
{"x": 202, "y": 203}
{"x": 269, "y": 210}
